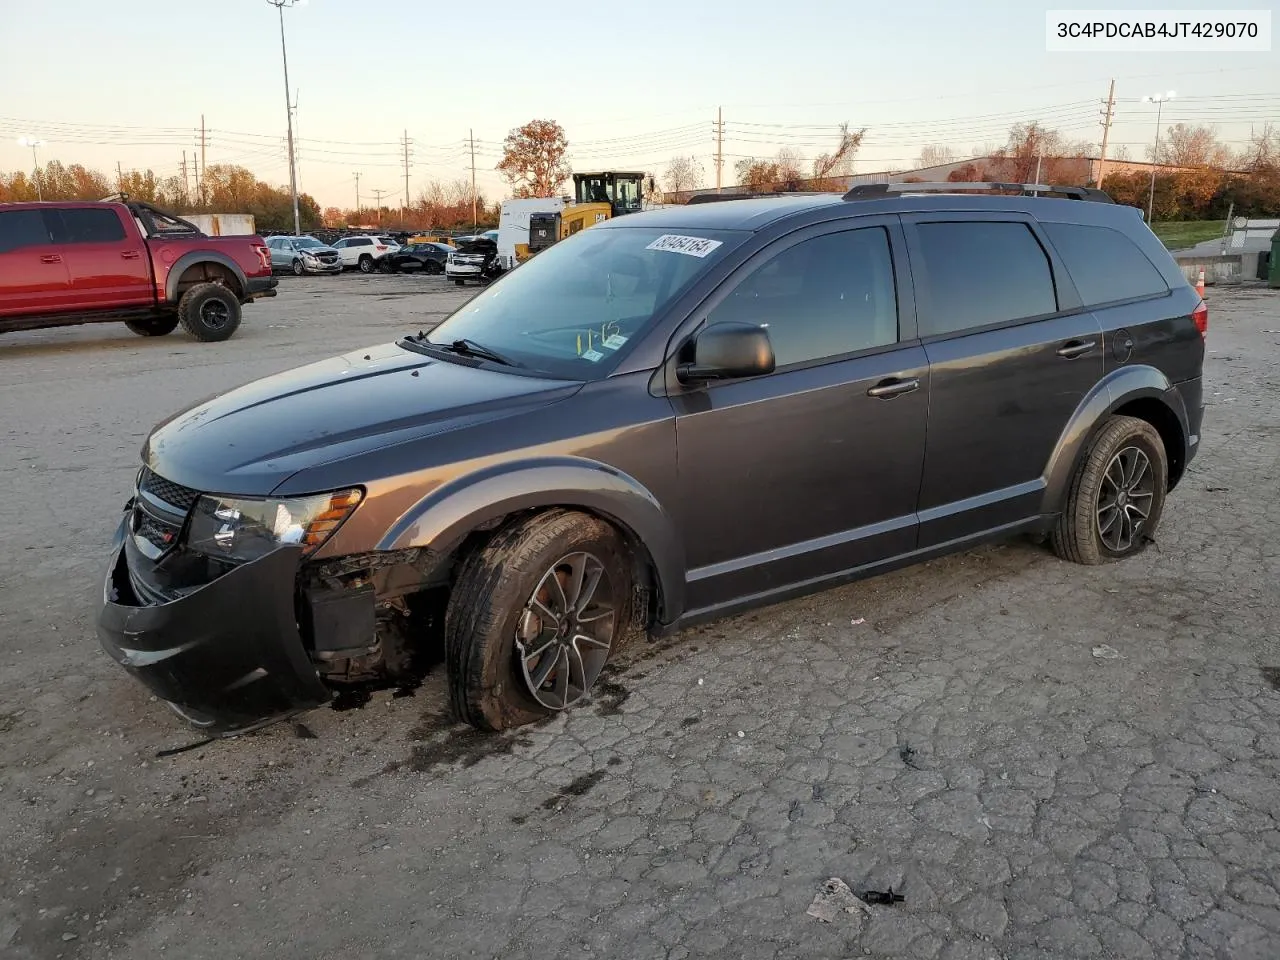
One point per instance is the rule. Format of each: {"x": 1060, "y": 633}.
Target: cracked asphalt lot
{"x": 1045, "y": 760}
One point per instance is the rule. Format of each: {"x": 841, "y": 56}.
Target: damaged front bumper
{"x": 227, "y": 656}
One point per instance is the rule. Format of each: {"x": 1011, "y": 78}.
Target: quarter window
{"x": 981, "y": 273}
{"x": 1105, "y": 264}
{"x": 821, "y": 298}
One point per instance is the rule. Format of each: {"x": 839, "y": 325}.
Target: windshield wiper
{"x": 464, "y": 348}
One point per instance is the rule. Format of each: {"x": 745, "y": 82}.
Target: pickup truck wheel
{"x": 153, "y": 326}
{"x": 1117, "y": 495}
{"x": 209, "y": 312}
{"x": 296, "y": 266}
{"x": 459, "y": 281}
{"x": 533, "y": 618}
{"x": 366, "y": 264}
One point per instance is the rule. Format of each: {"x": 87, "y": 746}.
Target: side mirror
{"x": 726, "y": 351}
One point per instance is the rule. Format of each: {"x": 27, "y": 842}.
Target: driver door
{"x": 814, "y": 469}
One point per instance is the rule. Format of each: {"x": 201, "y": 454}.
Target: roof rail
{"x": 868, "y": 191}
{"x": 717, "y": 197}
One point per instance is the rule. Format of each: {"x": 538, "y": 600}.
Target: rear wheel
{"x": 153, "y": 326}
{"x": 366, "y": 264}
{"x": 209, "y": 312}
{"x": 1117, "y": 495}
{"x": 533, "y": 619}
{"x": 431, "y": 268}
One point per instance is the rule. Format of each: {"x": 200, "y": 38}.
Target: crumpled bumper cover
{"x": 227, "y": 656}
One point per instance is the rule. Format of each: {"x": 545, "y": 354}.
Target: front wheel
{"x": 534, "y": 617}
{"x": 1117, "y": 495}
{"x": 459, "y": 281}
{"x": 209, "y": 312}
{"x": 153, "y": 326}
{"x": 296, "y": 266}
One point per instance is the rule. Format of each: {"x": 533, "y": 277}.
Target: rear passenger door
{"x": 1011, "y": 355}
{"x": 107, "y": 265}
{"x": 33, "y": 276}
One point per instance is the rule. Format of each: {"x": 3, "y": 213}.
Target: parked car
{"x": 70, "y": 262}
{"x": 427, "y": 257}
{"x": 665, "y": 419}
{"x": 302, "y": 255}
{"x": 474, "y": 258}
{"x": 363, "y": 253}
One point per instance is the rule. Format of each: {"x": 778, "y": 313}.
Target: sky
{"x": 633, "y": 84}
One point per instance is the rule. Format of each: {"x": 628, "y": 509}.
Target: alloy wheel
{"x": 1125, "y": 498}
{"x": 565, "y": 633}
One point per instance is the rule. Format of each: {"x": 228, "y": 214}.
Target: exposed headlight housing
{"x": 242, "y": 529}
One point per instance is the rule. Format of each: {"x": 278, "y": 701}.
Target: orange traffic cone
{"x": 1200, "y": 285}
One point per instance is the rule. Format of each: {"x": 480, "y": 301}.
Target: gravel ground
{"x": 1045, "y": 760}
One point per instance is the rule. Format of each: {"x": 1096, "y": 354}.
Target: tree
{"x": 839, "y": 162}
{"x": 683, "y": 173}
{"x": 1191, "y": 146}
{"x": 1031, "y": 146}
{"x": 534, "y": 159}
{"x": 1263, "y": 151}
{"x": 934, "y": 155}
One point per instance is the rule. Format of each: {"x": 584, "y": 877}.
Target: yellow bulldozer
{"x": 597, "y": 197}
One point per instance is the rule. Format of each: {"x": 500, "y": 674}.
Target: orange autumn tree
{"x": 534, "y": 159}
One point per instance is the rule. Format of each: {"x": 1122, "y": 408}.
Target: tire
{"x": 366, "y": 264}
{"x": 459, "y": 281}
{"x": 1086, "y": 532}
{"x": 209, "y": 312}
{"x": 153, "y": 326}
{"x": 432, "y": 269}
{"x": 297, "y": 267}
{"x": 491, "y": 607}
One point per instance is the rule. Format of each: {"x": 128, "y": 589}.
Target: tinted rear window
{"x": 90, "y": 226}
{"x": 1105, "y": 264}
{"x": 983, "y": 272}
{"x": 21, "y": 228}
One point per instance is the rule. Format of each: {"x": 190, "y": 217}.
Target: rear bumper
{"x": 255, "y": 287}
{"x": 227, "y": 656}
{"x": 1191, "y": 393}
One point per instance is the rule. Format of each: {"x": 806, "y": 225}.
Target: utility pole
{"x": 405, "y": 214}
{"x": 475, "y": 216}
{"x": 1107, "y": 116}
{"x": 719, "y": 147}
{"x": 378, "y": 199}
{"x": 288, "y": 110}
{"x": 184, "y": 171}
{"x": 357, "y": 196}
{"x": 119, "y": 178}
{"x": 203, "y": 169}
{"x": 1159, "y": 100}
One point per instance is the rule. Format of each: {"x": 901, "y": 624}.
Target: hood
{"x": 323, "y": 249}
{"x": 253, "y": 438}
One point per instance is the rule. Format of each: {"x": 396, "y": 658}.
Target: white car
{"x": 363, "y": 253}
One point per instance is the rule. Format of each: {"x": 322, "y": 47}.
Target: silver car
{"x": 302, "y": 255}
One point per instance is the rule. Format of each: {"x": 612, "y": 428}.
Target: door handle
{"x": 130, "y": 254}
{"x": 888, "y": 389}
{"x": 1076, "y": 348}
{"x": 50, "y": 258}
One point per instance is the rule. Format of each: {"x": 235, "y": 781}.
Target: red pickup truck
{"x": 66, "y": 263}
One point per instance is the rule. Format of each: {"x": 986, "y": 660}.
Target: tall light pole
{"x": 35, "y": 162}
{"x": 288, "y": 109}
{"x": 1160, "y": 99}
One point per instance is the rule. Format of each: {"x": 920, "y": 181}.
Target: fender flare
{"x": 194, "y": 258}
{"x": 1113, "y": 391}
{"x": 441, "y": 519}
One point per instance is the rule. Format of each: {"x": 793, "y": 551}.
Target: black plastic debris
{"x": 885, "y": 898}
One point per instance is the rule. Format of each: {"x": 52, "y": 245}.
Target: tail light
{"x": 380, "y": 246}
{"x": 264, "y": 256}
{"x": 1201, "y": 317}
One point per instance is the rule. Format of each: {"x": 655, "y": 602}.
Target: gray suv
{"x": 667, "y": 418}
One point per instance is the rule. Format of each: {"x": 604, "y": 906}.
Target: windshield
{"x": 303, "y": 243}
{"x": 569, "y": 311}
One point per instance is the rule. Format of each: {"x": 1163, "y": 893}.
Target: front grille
{"x": 328, "y": 258}
{"x": 156, "y": 532}
{"x": 177, "y": 496}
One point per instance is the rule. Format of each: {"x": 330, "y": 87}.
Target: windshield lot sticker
{"x": 689, "y": 246}
{"x": 592, "y": 355}
{"x": 615, "y": 341}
